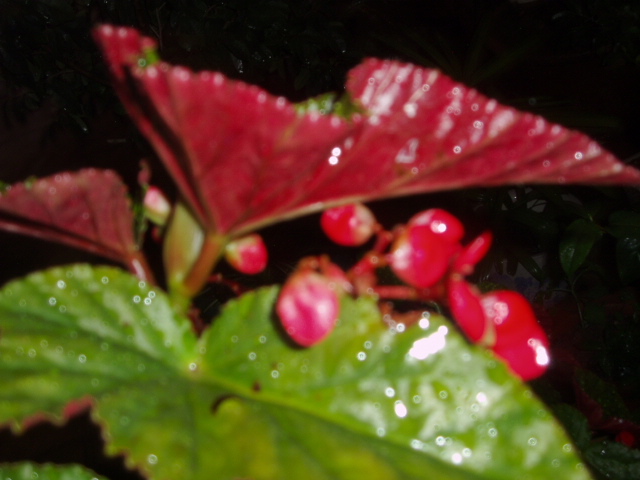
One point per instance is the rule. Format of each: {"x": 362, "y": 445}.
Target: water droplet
{"x": 417, "y": 444}
{"x": 44, "y": 343}
{"x": 493, "y": 432}
{"x": 410, "y": 109}
{"x": 440, "y": 441}
{"x": 147, "y": 301}
{"x": 152, "y": 459}
{"x": 532, "y": 441}
{"x": 262, "y": 339}
{"x": 141, "y": 367}
{"x": 389, "y": 392}
{"x": 368, "y": 345}
{"x": 193, "y": 366}
{"x": 555, "y": 463}
{"x": 32, "y": 353}
{"x": 104, "y": 346}
{"x": 361, "y": 356}
{"x": 252, "y": 355}
{"x": 578, "y": 156}
{"x": 234, "y": 339}
{"x": 567, "y": 447}
{"x": 443, "y": 394}
{"x": 52, "y": 301}
{"x": 400, "y": 409}
{"x": 457, "y": 149}
{"x": 275, "y": 374}
{"x": 381, "y": 432}
{"x": 136, "y": 299}
{"x": 61, "y": 284}
{"x": 417, "y": 399}
{"x": 95, "y": 382}
{"x": 104, "y": 280}
{"x": 82, "y": 358}
{"x": 430, "y": 345}
{"x": 456, "y": 458}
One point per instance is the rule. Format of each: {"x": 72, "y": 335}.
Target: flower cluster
{"x": 429, "y": 256}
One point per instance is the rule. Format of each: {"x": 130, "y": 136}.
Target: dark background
{"x": 574, "y": 62}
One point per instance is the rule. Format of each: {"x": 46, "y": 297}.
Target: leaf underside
{"x": 31, "y": 471}
{"x": 242, "y": 402}
{"x": 243, "y": 158}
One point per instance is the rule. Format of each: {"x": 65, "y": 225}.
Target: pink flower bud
{"x": 308, "y": 307}
{"x": 422, "y": 253}
{"x": 519, "y": 339}
{"x": 349, "y": 225}
{"x": 247, "y": 254}
{"x": 464, "y": 301}
{"x": 156, "y": 206}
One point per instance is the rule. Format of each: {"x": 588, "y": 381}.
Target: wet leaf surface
{"x": 31, "y": 471}
{"x": 242, "y": 402}
{"x": 244, "y": 158}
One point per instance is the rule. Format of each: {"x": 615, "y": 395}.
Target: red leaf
{"x": 88, "y": 209}
{"x": 243, "y": 158}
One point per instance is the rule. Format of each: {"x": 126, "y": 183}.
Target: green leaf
{"x": 242, "y": 402}
{"x": 577, "y": 241}
{"x": 29, "y": 471}
{"x": 614, "y": 460}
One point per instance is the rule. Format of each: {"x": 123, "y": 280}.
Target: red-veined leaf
{"x": 89, "y": 209}
{"x": 244, "y": 158}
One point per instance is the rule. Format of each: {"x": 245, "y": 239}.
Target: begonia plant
{"x": 321, "y": 378}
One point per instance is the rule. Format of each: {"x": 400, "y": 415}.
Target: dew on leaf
{"x": 104, "y": 346}
{"x": 52, "y": 301}
{"x": 136, "y": 299}
{"x": 440, "y": 441}
{"x": 234, "y": 339}
{"x": 44, "y": 343}
{"x": 275, "y": 374}
{"x": 95, "y": 382}
{"x": 430, "y": 345}
{"x": 389, "y": 392}
{"x": 151, "y": 294}
{"x": 147, "y": 301}
{"x": 567, "y": 447}
{"x": 400, "y": 409}
{"x": 252, "y": 355}
{"x": 193, "y": 366}
{"x": 456, "y": 458}
{"x": 361, "y": 356}
{"x": 444, "y": 395}
{"x": 152, "y": 459}
{"x": 61, "y": 284}
{"x": 493, "y": 432}
{"x": 417, "y": 399}
{"x": 381, "y": 432}
{"x": 32, "y": 353}
{"x": 82, "y": 358}
{"x": 532, "y": 441}
{"x": 262, "y": 339}
{"x": 104, "y": 280}
{"x": 555, "y": 463}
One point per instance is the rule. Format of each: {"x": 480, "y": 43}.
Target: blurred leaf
{"x": 614, "y": 460}
{"x": 576, "y": 243}
{"x": 241, "y": 402}
{"x": 31, "y": 471}
{"x": 624, "y": 224}
{"x": 88, "y": 209}
{"x": 628, "y": 259}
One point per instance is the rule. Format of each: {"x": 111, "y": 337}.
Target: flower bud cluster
{"x": 429, "y": 256}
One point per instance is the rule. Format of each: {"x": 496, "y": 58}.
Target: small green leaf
{"x": 614, "y": 460}
{"x": 243, "y": 402}
{"x": 577, "y": 241}
{"x": 30, "y": 471}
